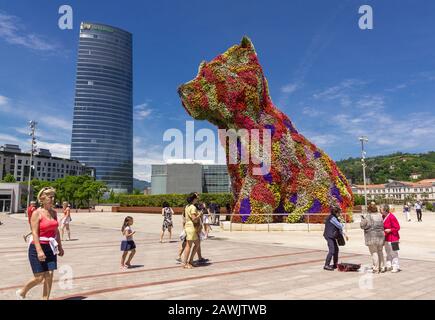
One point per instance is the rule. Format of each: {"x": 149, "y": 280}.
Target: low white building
{"x": 45, "y": 166}
{"x": 13, "y": 197}
{"x": 399, "y": 190}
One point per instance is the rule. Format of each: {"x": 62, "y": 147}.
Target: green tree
{"x": 9, "y": 178}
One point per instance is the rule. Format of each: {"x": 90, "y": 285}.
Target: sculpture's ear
{"x": 202, "y": 65}
{"x": 246, "y": 43}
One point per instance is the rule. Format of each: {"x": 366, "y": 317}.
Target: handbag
{"x": 183, "y": 235}
{"x": 395, "y": 246}
{"x": 340, "y": 240}
{"x": 345, "y": 267}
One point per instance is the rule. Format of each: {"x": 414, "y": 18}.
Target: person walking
{"x": 212, "y": 209}
{"x": 206, "y": 220}
{"x": 182, "y": 237}
{"x": 127, "y": 244}
{"x": 66, "y": 219}
{"x": 391, "y": 230}
{"x": 333, "y": 229}
{"x": 167, "y": 213}
{"x": 30, "y": 210}
{"x": 45, "y": 245}
{"x": 373, "y": 226}
{"x": 406, "y": 211}
{"x": 418, "y": 210}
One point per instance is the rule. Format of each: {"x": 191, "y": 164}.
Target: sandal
{"x": 187, "y": 266}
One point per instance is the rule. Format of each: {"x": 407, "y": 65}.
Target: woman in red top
{"x": 391, "y": 229}
{"x": 45, "y": 246}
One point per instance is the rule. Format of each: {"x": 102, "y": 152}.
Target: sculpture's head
{"x": 227, "y": 90}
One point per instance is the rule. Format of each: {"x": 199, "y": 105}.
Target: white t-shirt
{"x": 128, "y": 230}
{"x": 417, "y": 206}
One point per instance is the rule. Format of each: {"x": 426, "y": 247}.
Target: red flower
{"x": 261, "y": 193}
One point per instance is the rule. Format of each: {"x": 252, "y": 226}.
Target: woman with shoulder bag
{"x": 373, "y": 226}
{"x": 333, "y": 229}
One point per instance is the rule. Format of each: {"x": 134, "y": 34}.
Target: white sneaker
{"x": 18, "y": 295}
{"x": 395, "y": 270}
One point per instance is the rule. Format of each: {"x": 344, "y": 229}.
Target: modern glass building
{"x": 102, "y": 134}
{"x": 184, "y": 178}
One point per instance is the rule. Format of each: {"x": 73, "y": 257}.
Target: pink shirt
{"x": 390, "y": 222}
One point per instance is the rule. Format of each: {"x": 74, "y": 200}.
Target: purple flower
{"x": 335, "y": 192}
{"x": 239, "y": 149}
{"x": 294, "y": 198}
{"x": 316, "y": 207}
{"x": 271, "y": 127}
{"x": 317, "y": 155}
{"x": 245, "y": 208}
{"x": 289, "y": 125}
{"x": 268, "y": 177}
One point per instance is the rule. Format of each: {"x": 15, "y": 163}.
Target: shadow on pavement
{"x": 76, "y": 298}
{"x": 134, "y": 266}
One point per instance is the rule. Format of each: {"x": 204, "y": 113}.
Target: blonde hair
{"x": 43, "y": 191}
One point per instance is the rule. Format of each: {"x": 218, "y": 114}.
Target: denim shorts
{"x": 50, "y": 262}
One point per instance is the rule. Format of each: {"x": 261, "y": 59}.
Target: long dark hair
{"x": 191, "y": 197}
{"x": 125, "y": 224}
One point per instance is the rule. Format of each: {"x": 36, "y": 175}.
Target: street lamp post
{"x": 363, "y": 156}
{"x": 32, "y": 125}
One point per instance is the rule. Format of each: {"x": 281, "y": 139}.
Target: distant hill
{"x": 397, "y": 166}
{"x": 140, "y": 184}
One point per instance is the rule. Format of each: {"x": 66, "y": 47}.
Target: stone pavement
{"x": 243, "y": 265}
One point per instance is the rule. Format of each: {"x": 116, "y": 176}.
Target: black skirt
{"x": 50, "y": 262}
{"x": 127, "y": 245}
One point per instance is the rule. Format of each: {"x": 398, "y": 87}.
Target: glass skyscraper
{"x": 102, "y": 134}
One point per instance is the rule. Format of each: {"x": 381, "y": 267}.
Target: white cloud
{"x": 372, "y": 102}
{"x": 388, "y": 133}
{"x": 397, "y": 87}
{"x": 290, "y": 88}
{"x": 13, "y": 32}
{"x": 60, "y": 150}
{"x": 142, "y": 111}
{"x": 56, "y": 122}
{"x": 142, "y": 114}
{"x": 324, "y": 140}
{"x": 7, "y": 138}
{"x": 311, "y": 112}
{"x": 4, "y": 104}
{"x": 55, "y": 126}
{"x": 144, "y": 155}
{"x": 341, "y": 92}
{"x": 3, "y": 100}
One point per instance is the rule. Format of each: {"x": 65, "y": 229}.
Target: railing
{"x": 270, "y": 215}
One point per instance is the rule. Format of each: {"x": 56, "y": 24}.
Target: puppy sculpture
{"x": 232, "y": 93}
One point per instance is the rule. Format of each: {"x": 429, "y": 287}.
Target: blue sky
{"x": 334, "y": 80}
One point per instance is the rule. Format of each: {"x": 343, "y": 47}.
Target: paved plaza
{"x": 243, "y": 265}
